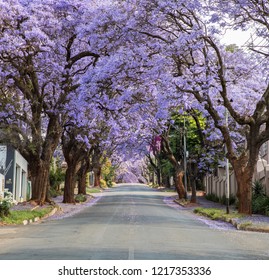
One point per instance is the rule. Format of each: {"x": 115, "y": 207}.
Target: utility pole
{"x": 185, "y": 158}
{"x": 227, "y": 171}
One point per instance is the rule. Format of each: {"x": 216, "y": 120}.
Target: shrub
{"x": 80, "y": 198}
{"x": 6, "y": 201}
{"x": 232, "y": 200}
{"x": 103, "y": 184}
{"x": 260, "y": 204}
{"x": 222, "y": 200}
{"x": 212, "y": 197}
{"x": 258, "y": 188}
{"x": 54, "y": 192}
{"x": 56, "y": 178}
{"x": 108, "y": 173}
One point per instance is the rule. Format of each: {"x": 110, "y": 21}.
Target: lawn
{"x": 18, "y": 216}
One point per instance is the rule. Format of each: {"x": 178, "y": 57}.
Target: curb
{"x": 243, "y": 226}
{"x": 37, "y": 219}
{"x": 250, "y": 226}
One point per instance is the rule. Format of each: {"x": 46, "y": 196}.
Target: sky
{"x": 237, "y": 37}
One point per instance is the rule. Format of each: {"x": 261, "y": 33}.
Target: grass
{"x": 262, "y": 227}
{"x": 18, "y": 216}
{"x": 245, "y": 225}
{"x": 217, "y": 214}
{"x": 93, "y": 190}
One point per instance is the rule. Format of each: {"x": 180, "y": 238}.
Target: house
{"x": 14, "y": 173}
{"x": 2, "y": 184}
{"x": 216, "y": 184}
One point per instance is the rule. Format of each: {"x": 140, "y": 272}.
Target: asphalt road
{"x": 130, "y": 222}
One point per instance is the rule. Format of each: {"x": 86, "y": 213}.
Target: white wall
{"x": 20, "y": 177}
{"x": 3, "y": 157}
{"x": 2, "y": 184}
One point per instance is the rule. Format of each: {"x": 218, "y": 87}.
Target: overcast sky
{"x": 235, "y": 37}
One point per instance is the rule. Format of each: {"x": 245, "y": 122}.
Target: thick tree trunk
{"x": 73, "y": 154}
{"x": 82, "y": 178}
{"x": 166, "y": 180}
{"x": 179, "y": 184}
{"x": 70, "y": 182}
{"x": 193, "y": 190}
{"x": 179, "y": 173}
{"x": 82, "y": 184}
{"x": 39, "y": 161}
{"x": 158, "y": 174}
{"x": 40, "y": 181}
{"x": 244, "y": 168}
{"x": 168, "y": 184}
{"x": 97, "y": 176}
{"x": 244, "y": 191}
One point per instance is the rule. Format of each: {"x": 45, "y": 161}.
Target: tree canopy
{"x": 109, "y": 76}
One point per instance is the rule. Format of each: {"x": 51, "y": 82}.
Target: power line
{"x": 257, "y": 44}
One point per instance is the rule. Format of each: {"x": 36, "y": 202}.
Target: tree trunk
{"x": 82, "y": 178}
{"x": 179, "y": 184}
{"x": 40, "y": 181}
{"x": 97, "y": 176}
{"x": 74, "y": 152}
{"x": 244, "y": 191}
{"x": 39, "y": 162}
{"x": 193, "y": 190}
{"x": 166, "y": 180}
{"x": 70, "y": 182}
{"x": 158, "y": 174}
{"x": 82, "y": 184}
{"x": 168, "y": 184}
{"x": 179, "y": 173}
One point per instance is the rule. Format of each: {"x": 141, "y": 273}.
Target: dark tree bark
{"x": 39, "y": 166}
{"x": 97, "y": 165}
{"x": 39, "y": 175}
{"x": 179, "y": 173}
{"x": 193, "y": 175}
{"x": 97, "y": 176}
{"x": 82, "y": 175}
{"x": 166, "y": 180}
{"x": 193, "y": 190}
{"x": 82, "y": 178}
{"x": 69, "y": 184}
{"x": 244, "y": 170}
{"x": 73, "y": 152}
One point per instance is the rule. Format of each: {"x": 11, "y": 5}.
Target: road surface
{"x": 130, "y": 222}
